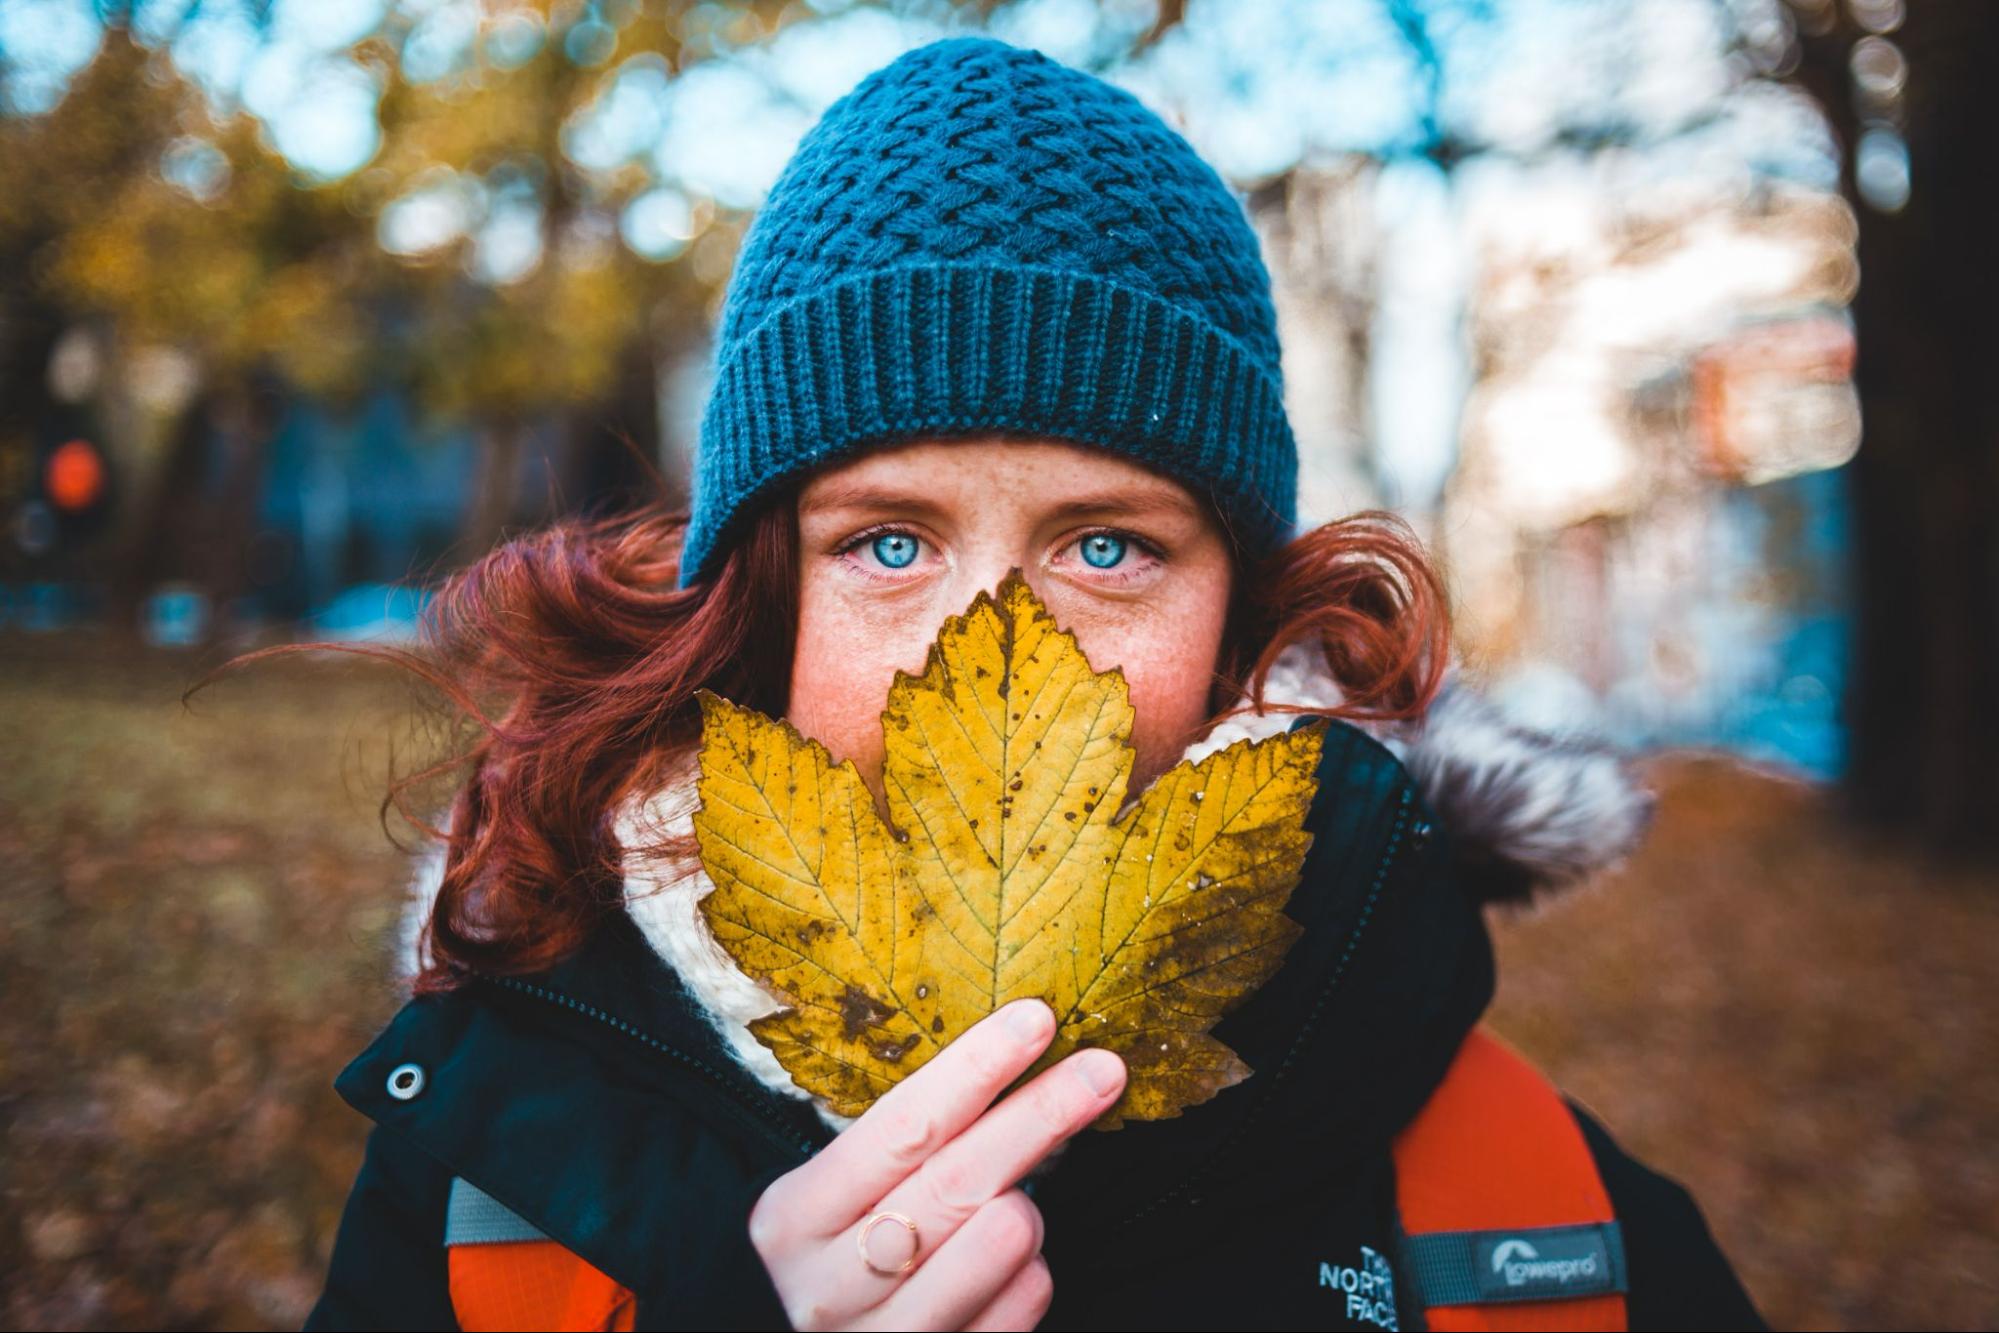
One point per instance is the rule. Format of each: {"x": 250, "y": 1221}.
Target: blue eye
{"x": 1102, "y": 551}
{"x": 895, "y": 549}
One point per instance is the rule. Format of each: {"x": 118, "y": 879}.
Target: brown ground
{"x": 195, "y": 911}
{"x": 1802, "y": 1027}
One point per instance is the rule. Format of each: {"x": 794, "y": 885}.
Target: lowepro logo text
{"x": 1519, "y": 1263}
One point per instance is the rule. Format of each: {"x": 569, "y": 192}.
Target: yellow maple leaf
{"x": 1003, "y": 871}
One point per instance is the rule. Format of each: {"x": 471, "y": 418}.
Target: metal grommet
{"x": 405, "y": 1081}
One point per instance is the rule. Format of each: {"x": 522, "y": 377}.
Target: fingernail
{"x": 1030, "y": 1020}
{"x": 1102, "y": 1071}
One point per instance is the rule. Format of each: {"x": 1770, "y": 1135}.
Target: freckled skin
{"x": 973, "y": 509}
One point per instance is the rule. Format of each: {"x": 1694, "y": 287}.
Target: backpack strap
{"x": 1505, "y": 1220}
{"x": 508, "y": 1274}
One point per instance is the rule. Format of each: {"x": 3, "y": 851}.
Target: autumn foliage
{"x": 1009, "y": 868}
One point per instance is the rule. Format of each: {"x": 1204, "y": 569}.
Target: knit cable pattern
{"x": 978, "y": 238}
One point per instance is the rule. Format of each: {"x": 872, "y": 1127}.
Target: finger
{"x": 1021, "y": 1302}
{"x": 982, "y": 1163}
{"x": 970, "y": 1270}
{"x": 1004, "y": 1144}
{"x": 913, "y": 1119}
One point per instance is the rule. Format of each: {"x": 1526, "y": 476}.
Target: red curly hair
{"x": 577, "y": 657}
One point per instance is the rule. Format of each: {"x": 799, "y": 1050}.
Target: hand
{"x": 931, "y": 1151}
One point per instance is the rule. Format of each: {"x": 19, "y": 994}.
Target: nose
{"x": 984, "y": 570}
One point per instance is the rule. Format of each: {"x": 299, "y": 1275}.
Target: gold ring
{"x": 868, "y": 1227}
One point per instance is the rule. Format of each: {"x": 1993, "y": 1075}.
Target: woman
{"x": 994, "y": 315}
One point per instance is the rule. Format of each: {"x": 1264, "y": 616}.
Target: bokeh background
{"x": 1670, "y": 323}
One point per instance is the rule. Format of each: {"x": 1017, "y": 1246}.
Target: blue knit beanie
{"x": 980, "y": 239}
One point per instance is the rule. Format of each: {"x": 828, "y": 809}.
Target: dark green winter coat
{"x": 598, "y": 1102}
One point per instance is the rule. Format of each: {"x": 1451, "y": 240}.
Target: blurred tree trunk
{"x": 612, "y": 449}
{"x": 1923, "y": 706}
{"x": 198, "y": 521}
{"x": 255, "y": 414}
{"x": 155, "y": 550}
{"x": 497, "y": 489}
{"x": 29, "y": 332}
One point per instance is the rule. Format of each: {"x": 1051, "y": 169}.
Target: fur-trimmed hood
{"x": 1527, "y": 811}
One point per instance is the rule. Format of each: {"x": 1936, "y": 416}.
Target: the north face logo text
{"x": 1369, "y": 1289}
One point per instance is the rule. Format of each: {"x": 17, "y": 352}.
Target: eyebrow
{"x": 1150, "y": 499}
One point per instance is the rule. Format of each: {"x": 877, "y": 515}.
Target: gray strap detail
{"x": 474, "y": 1217}
{"x": 1529, "y": 1264}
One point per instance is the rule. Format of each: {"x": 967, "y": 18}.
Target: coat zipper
{"x": 759, "y": 1115}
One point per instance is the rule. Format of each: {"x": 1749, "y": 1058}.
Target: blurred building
{"x": 1322, "y": 246}
{"x": 1643, "y": 529}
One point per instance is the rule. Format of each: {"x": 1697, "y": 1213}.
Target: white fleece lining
{"x": 663, "y": 897}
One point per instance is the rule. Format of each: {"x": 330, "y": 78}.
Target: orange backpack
{"x": 514, "y": 1284}
{"x": 1506, "y": 1224}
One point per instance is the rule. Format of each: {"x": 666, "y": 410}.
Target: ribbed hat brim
{"x": 954, "y": 349}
